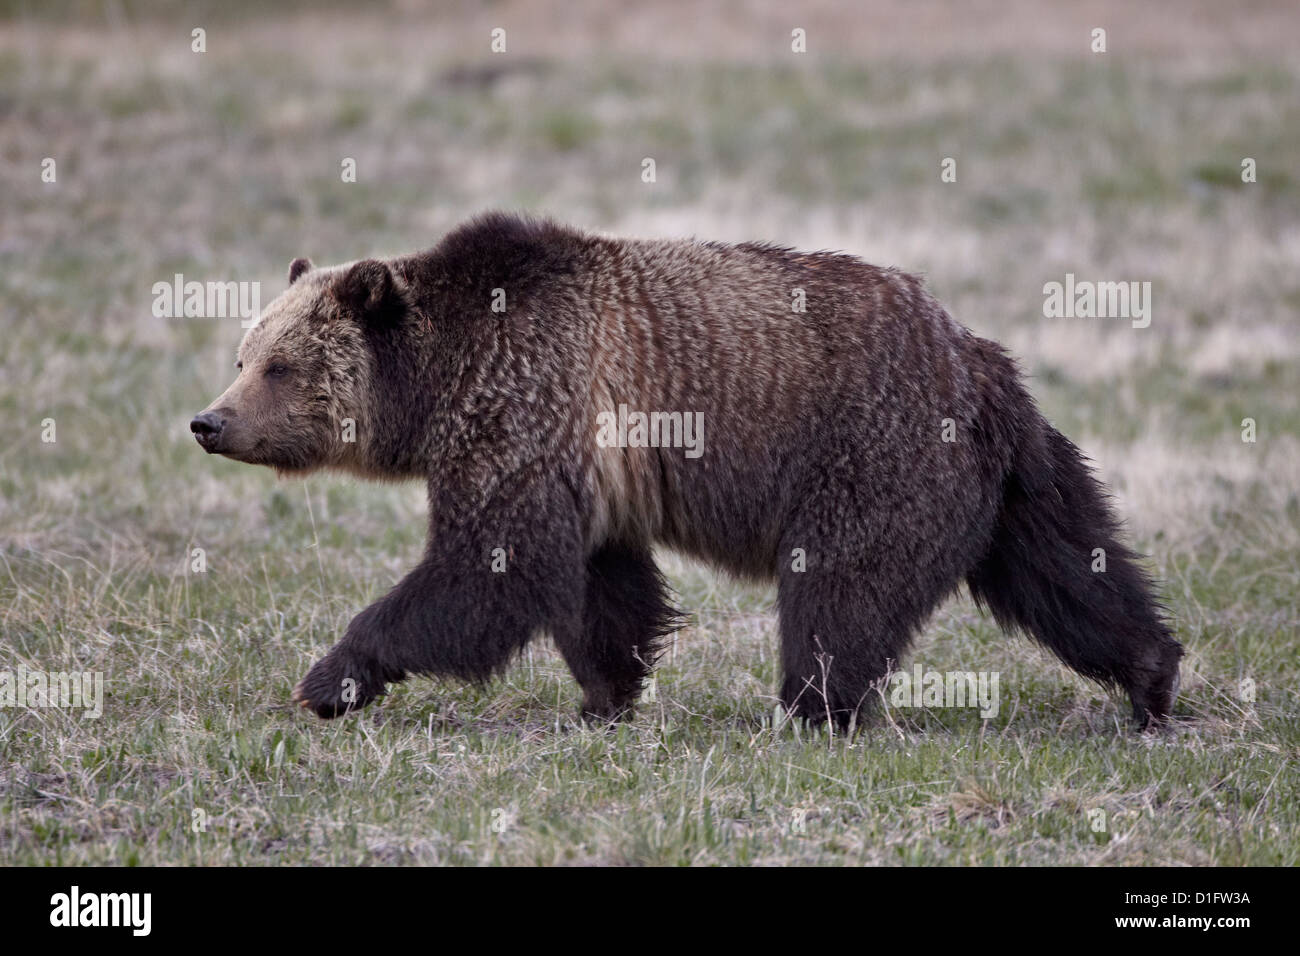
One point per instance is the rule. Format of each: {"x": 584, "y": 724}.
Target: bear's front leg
{"x": 627, "y": 619}
{"x": 483, "y": 591}
{"x": 352, "y": 674}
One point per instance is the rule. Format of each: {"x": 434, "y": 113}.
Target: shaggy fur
{"x": 825, "y": 466}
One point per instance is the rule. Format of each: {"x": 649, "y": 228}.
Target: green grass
{"x": 227, "y": 167}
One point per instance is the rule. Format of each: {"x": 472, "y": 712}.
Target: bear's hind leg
{"x": 836, "y": 643}
{"x": 627, "y": 616}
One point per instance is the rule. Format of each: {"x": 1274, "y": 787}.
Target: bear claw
{"x": 328, "y": 694}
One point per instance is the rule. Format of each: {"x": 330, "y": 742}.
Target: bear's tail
{"x": 1057, "y": 569}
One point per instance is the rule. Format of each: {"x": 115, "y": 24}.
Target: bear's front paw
{"x": 334, "y": 686}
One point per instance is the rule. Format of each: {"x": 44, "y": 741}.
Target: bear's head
{"x": 303, "y": 396}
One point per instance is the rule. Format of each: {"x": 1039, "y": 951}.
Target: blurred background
{"x": 221, "y": 165}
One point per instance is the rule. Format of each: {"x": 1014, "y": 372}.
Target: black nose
{"x": 206, "y": 426}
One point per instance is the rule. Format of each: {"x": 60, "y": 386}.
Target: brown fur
{"x": 822, "y": 435}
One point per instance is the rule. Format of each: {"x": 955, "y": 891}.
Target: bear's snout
{"x": 207, "y": 427}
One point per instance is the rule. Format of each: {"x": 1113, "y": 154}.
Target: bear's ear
{"x": 297, "y": 268}
{"x": 369, "y": 290}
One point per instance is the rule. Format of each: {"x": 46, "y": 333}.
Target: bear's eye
{"x": 239, "y": 365}
{"x": 277, "y": 370}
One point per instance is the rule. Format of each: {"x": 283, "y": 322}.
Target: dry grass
{"x": 225, "y": 166}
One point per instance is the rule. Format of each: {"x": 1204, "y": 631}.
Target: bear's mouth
{"x": 216, "y": 436}
{"x": 248, "y": 456}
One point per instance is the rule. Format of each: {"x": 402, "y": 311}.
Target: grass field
{"x": 226, "y": 165}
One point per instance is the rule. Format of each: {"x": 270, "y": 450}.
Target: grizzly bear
{"x": 573, "y": 401}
